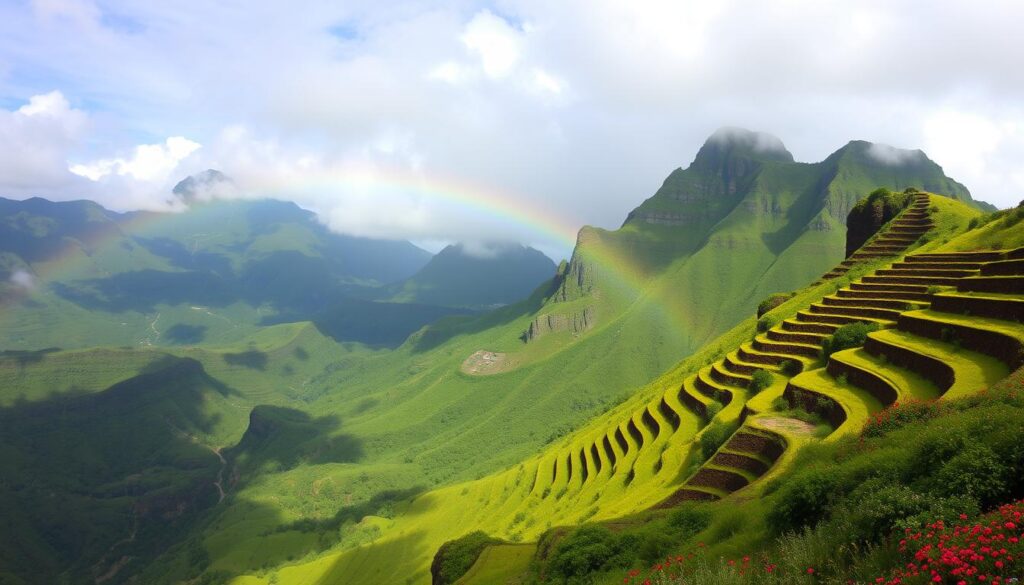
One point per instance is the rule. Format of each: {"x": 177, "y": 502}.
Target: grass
{"x": 458, "y": 450}
{"x": 500, "y": 564}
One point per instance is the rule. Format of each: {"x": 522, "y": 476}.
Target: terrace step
{"x": 1000, "y": 339}
{"x": 876, "y": 287}
{"x": 938, "y": 265}
{"x": 734, "y": 363}
{"x": 791, "y": 349}
{"x": 1003, "y": 268}
{"x": 866, "y": 302}
{"x": 954, "y": 371}
{"x": 918, "y": 280}
{"x": 694, "y": 399}
{"x": 831, "y": 319}
{"x": 726, "y": 378}
{"x": 863, "y": 312}
{"x": 877, "y": 294}
{"x": 748, "y": 353}
{"x": 996, "y": 307}
{"x": 957, "y": 257}
{"x": 948, "y": 273}
{"x": 992, "y": 284}
{"x": 789, "y": 337}
{"x": 686, "y": 495}
{"x": 816, "y": 391}
{"x": 800, "y": 327}
{"x": 721, "y": 479}
{"x": 706, "y": 386}
{"x": 885, "y": 381}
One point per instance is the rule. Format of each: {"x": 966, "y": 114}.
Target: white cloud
{"x": 891, "y": 155}
{"x": 574, "y": 110}
{"x": 34, "y": 141}
{"x": 497, "y": 44}
{"x": 150, "y": 162}
{"x": 23, "y": 280}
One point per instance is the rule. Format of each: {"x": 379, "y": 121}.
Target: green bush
{"x": 765, "y": 323}
{"x": 772, "y": 301}
{"x": 846, "y": 337}
{"x": 760, "y": 380}
{"x": 714, "y": 437}
{"x": 455, "y": 557}
{"x": 590, "y": 549}
{"x": 804, "y": 500}
{"x": 791, "y": 367}
{"x": 689, "y": 520}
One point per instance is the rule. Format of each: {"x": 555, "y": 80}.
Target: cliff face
{"x": 742, "y": 221}
{"x": 870, "y": 214}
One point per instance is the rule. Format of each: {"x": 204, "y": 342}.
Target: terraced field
{"x": 948, "y": 324}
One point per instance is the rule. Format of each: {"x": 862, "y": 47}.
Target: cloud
{"x": 571, "y": 112}
{"x": 150, "y": 162}
{"x": 34, "y": 141}
{"x": 893, "y": 156}
{"x": 495, "y": 42}
{"x": 23, "y": 280}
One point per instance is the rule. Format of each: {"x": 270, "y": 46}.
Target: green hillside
{"x": 706, "y": 430}
{"x": 496, "y": 275}
{"x": 214, "y": 273}
{"x": 351, "y": 435}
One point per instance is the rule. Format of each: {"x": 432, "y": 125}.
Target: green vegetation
{"x": 344, "y": 463}
{"x": 499, "y": 275}
{"x": 846, "y": 337}
{"x": 455, "y": 558}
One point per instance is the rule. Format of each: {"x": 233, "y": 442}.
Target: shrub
{"x": 713, "y": 409}
{"x": 804, "y": 500}
{"x": 975, "y": 472}
{"x": 846, "y": 337}
{"x": 772, "y": 301}
{"x": 791, "y": 367}
{"x": 689, "y": 520}
{"x": 455, "y": 557}
{"x": 765, "y": 323}
{"x": 899, "y": 415}
{"x": 589, "y": 549}
{"x": 760, "y": 380}
{"x": 714, "y": 437}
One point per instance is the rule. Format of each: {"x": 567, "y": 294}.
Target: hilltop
{"x": 476, "y": 277}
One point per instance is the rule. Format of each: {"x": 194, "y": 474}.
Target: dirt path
{"x": 219, "y": 484}
{"x": 783, "y": 423}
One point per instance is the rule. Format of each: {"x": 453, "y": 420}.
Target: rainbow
{"x": 539, "y": 225}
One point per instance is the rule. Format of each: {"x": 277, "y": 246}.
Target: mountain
{"x": 325, "y": 490}
{"x": 494, "y": 275}
{"x": 217, "y": 272}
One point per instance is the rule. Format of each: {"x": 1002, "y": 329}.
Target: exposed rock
{"x": 576, "y": 322}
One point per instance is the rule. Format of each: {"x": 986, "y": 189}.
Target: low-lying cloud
{"x": 557, "y": 114}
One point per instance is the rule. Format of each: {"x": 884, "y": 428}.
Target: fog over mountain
{"x": 387, "y": 120}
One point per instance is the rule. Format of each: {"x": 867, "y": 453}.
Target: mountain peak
{"x": 204, "y": 185}
{"x": 872, "y": 152}
{"x": 730, "y": 141}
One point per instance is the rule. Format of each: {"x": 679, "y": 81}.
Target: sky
{"x": 518, "y": 120}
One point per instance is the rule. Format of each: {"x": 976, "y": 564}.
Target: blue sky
{"x": 574, "y": 109}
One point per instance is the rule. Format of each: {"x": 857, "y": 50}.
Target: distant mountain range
{"x": 222, "y": 268}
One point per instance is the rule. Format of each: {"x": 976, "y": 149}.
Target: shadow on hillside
{"x": 252, "y": 359}
{"x": 25, "y": 357}
{"x": 183, "y": 334}
{"x": 83, "y": 470}
{"x": 180, "y": 256}
{"x": 280, "y": 438}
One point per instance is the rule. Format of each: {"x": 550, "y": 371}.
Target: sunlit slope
{"x": 629, "y": 459}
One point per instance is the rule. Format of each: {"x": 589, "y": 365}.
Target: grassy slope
{"x": 420, "y": 421}
{"x": 507, "y": 505}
